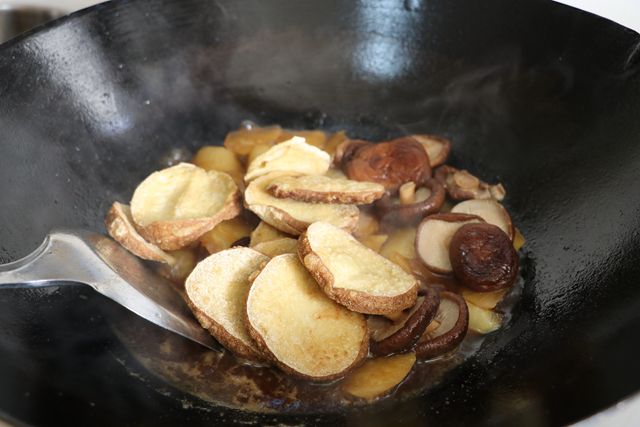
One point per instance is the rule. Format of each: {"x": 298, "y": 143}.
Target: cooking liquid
{"x": 222, "y": 379}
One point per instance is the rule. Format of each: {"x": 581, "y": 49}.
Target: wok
{"x": 537, "y": 95}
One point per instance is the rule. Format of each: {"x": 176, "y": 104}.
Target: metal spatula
{"x": 97, "y": 261}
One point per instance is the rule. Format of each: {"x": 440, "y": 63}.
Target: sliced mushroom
{"x": 461, "y": 185}
{"x": 388, "y": 163}
{"x": 483, "y": 257}
{"x": 437, "y": 148}
{"x": 489, "y": 210}
{"x": 393, "y": 337}
{"x": 433, "y": 238}
{"x": 412, "y": 204}
{"x": 346, "y": 150}
{"x": 451, "y": 325}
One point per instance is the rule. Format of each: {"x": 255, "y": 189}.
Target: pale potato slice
{"x": 367, "y": 224}
{"x": 225, "y": 234}
{"x": 293, "y": 156}
{"x": 292, "y": 216}
{"x": 120, "y": 226}
{"x": 264, "y": 232}
{"x": 374, "y": 241}
{"x": 184, "y": 261}
{"x": 354, "y": 275}
{"x": 242, "y": 141}
{"x": 216, "y": 293}
{"x": 173, "y": 207}
{"x": 379, "y": 376}
{"x": 322, "y": 189}
{"x": 220, "y": 159}
{"x": 486, "y": 300}
{"x": 400, "y": 241}
{"x": 483, "y": 321}
{"x": 298, "y": 327}
{"x": 273, "y": 248}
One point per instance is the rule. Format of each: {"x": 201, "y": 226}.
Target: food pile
{"x": 326, "y": 256}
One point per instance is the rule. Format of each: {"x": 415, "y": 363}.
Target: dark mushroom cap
{"x": 412, "y": 212}
{"x": 453, "y": 316}
{"x": 388, "y": 163}
{"x": 483, "y": 257}
{"x": 402, "y": 334}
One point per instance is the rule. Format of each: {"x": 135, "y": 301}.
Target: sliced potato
{"x": 483, "y": 321}
{"x": 298, "y": 327}
{"x": 257, "y": 151}
{"x": 184, "y": 261}
{"x": 242, "y": 141}
{"x": 120, "y": 226}
{"x": 367, "y": 224}
{"x": 402, "y": 242}
{"x": 379, "y": 376}
{"x": 335, "y": 173}
{"x": 486, "y": 300}
{"x": 334, "y": 141}
{"x": 293, "y": 156}
{"x": 264, "y": 233}
{"x": 220, "y": 159}
{"x": 518, "y": 240}
{"x": 173, "y": 207}
{"x": 217, "y": 290}
{"x": 273, "y": 248}
{"x": 292, "y": 216}
{"x": 374, "y": 241}
{"x": 322, "y": 189}
{"x": 225, "y": 234}
{"x": 354, "y": 275}
{"x": 317, "y": 138}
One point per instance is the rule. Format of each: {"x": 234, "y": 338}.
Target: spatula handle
{"x": 53, "y": 260}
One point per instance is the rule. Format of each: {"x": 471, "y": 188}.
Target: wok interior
{"x": 537, "y": 96}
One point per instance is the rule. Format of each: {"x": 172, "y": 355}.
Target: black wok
{"x": 532, "y": 93}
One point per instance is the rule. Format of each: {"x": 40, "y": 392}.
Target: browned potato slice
{"x": 220, "y": 159}
{"x": 322, "y": 189}
{"x": 264, "y": 232}
{"x": 225, "y": 234}
{"x": 379, "y": 376}
{"x": 173, "y": 207}
{"x": 273, "y": 248}
{"x": 242, "y": 141}
{"x": 294, "y": 156}
{"x": 292, "y": 216}
{"x": 120, "y": 226}
{"x": 298, "y": 327}
{"x": 354, "y": 275}
{"x": 217, "y": 290}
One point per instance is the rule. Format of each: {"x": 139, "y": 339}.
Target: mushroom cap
{"x": 483, "y": 257}
{"x": 389, "y": 163}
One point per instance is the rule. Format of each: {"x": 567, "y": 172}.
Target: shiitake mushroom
{"x": 391, "y": 163}
{"x": 483, "y": 257}
{"x": 389, "y": 337}
{"x": 461, "y": 185}
{"x": 437, "y": 148}
{"x": 452, "y": 324}
{"x": 406, "y": 211}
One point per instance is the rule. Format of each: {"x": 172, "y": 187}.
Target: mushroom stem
{"x": 408, "y": 193}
